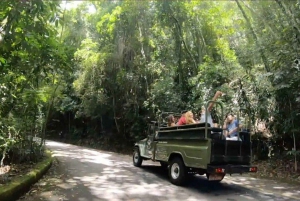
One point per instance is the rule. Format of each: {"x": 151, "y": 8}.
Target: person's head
{"x": 202, "y": 110}
{"x": 171, "y": 120}
{"x": 189, "y": 116}
{"x": 183, "y": 112}
{"x": 229, "y": 117}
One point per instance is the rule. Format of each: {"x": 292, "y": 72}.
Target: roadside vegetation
{"x": 96, "y": 73}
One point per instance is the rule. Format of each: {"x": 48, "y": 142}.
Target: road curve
{"x": 84, "y": 174}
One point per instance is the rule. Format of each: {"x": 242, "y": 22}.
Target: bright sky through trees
{"x": 73, "y": 4}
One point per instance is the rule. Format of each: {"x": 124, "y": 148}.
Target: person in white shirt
{"x": 211, "y": 105}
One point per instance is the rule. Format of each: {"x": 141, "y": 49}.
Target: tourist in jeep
{"x": 171, "y": 121}
{"x": 186, "y": 118}
{"x": 231, "y": 125}
{"x": 211, "y": 105}
{"x": 189, "y": 117}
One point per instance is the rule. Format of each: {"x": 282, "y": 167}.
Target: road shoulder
{"x": 18, "y": 186}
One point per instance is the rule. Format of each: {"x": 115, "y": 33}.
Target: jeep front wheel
{"x": 137, "y": 159}
{"x": 177, "y": 171}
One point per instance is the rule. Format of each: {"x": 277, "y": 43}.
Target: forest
{"x": 97, "y": 72}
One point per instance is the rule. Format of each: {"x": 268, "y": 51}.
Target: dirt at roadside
{"x": 281, "y": 170}
{"x": 45, "y": 185}
{"x": 9, "y": 172}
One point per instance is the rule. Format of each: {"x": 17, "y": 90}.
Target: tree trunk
{"x": 294, "y": 140}
{"x": 288, "y": 15}
{"x": 274, "y": 33}
{"x": 262, "y": 54}
{"x": 177, "y": 24}
{"x": 47, "y": 116}
{"x": 115, "y": 117}
{"x": 5, "y": 149}
{"x": 63, "y": 26}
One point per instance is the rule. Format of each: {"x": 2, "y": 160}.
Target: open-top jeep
{"x": 195, "y": 149}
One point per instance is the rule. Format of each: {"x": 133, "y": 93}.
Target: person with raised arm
{"x": 211, "y": 105}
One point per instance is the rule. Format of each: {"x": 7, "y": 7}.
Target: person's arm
{"x": 238, "y": 126}
{"x": 216, "y": 96}
{"x": 232, "y": 131}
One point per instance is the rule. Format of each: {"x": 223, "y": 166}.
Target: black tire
{"x": 177, "y": 172}
{"x": 136, "y": 158}
{"x": 215, "y": 181}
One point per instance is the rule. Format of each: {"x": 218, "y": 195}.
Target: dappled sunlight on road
{"x": 57, "y": 144}
{"x": 114, "y": 177}
{"x": 91, "y": 175}
{"x": 265, "y": 186}
{"x": 83, "y": 155}
{"x": 119, "y": 187}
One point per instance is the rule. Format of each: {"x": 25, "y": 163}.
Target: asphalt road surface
{"x": 82, "y": 174}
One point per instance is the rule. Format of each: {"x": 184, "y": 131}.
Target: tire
{"x": 136, "y": 158}
{"x": 177, "y": 172}
{"x": 216, "y": 181}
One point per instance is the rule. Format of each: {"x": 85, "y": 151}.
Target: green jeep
{"x": 194, "y": 149}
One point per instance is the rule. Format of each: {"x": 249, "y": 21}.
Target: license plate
{"x": 215, "y": 177}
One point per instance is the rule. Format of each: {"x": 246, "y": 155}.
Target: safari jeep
{"x": 194, "y": 149}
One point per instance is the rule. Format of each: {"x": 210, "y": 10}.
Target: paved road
{"x": 83, "y": 174}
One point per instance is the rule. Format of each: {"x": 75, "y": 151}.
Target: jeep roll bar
{"x": 238, "y": 118}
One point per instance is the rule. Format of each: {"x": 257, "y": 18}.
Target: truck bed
{"x": 222, "y": 151}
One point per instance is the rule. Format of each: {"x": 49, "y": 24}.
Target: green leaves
{"x": 31, "y": 55}
{"x": 2, "y": 60}
{"x": 132, "y": 59}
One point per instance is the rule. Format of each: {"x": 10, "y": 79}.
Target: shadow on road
{"x": 91, "y": 175}
{"x": 199, "y": 183}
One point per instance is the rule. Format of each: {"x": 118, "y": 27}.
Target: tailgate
{"x": 233, "y": 152}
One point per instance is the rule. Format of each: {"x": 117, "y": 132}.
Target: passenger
{"x": 186, "y": 118}
{"x": 182, "y": 120}
{"x": 171, "y": 121}
{"x": 209, "y": 118}
{"x": 189, "y": 118}
{"x": 231, "y": 125}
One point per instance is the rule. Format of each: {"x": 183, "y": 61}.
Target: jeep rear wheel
{"x": 136, "y": 158}
{"x": 177, "y": 171}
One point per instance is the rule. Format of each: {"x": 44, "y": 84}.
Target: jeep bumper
{"x": 230, "y": 169}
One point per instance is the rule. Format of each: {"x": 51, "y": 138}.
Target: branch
{"x": 181, "y": 38}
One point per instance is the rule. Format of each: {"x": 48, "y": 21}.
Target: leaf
{"x": 2, "y": 60}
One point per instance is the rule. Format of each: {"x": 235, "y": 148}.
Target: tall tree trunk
{"x": 289, "y": 15}
{"x": 294, "y": 139}
{"x": 274, "y": 33}
{"x": 115, "y": 117}
{"x": 177, "y": 24}
{"x": 262, "y": 54}
{"x": 47, "y": 116}
{"x": 63, "y": 26}
{"x": 5, "y": 148}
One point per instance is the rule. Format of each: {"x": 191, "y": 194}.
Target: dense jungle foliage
{"x": 103, "y": 69}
